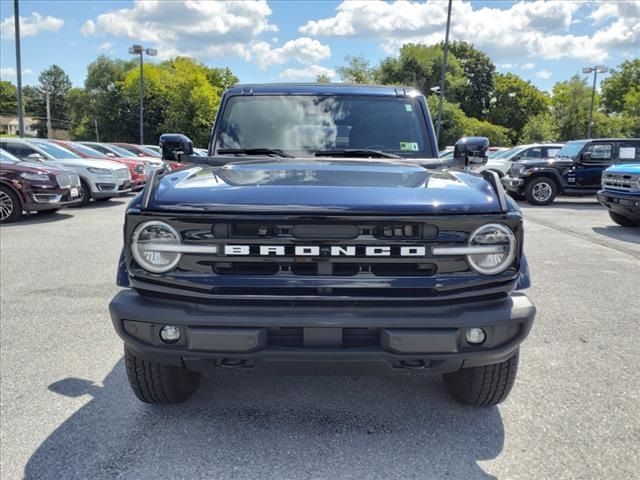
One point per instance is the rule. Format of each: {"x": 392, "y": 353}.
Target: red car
{"x": 145, "y": 153}
{"x": 136, "y": 167}
{"x": 34, "y": 187}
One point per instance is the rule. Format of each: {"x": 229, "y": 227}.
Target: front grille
{"x": 623, "y": 182}
{"x": 68, "y": 180}
{"x": 351, "y": 337}
{"x": 123, "y": 174}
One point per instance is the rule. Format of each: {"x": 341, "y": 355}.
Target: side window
{"x": 629, "y": 151}
{"x": 599, "y": 153}
{"x": 551, "y": 152}
{"x": 535, "y": 152}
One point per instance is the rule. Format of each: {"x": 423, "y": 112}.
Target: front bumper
{"x": 512, "y": 184}
{"x": 625, "y": 204}
{"x": 49, "y": 199}
{"x": 365, "y": 339}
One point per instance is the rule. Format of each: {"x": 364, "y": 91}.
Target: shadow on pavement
{"x": 112, "y": 202}
{"x": 624, "y": 234}
{"x": 564, "y": 203}
{"x": 37, "y": 219}
{"x": 271, "y": 427}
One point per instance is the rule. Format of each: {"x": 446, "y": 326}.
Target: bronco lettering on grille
{"x": 325, "y": 251}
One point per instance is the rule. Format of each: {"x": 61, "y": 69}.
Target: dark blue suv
{"x": 322, "y": 233}
{"x": 575, "y": 170}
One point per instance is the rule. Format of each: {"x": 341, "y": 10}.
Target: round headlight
{"x": 153, "y": 246}
{"x": 492, "y": 235}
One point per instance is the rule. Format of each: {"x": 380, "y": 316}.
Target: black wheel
{"x": 155, "y": 383}
{"x": 10, "y": 205}
{"x": 623, "y": 221}
{"x": 483, "y": 386}
{"x": 104, "y": 199}
{"x": 48, "y": 212}
{"x": 85, "y": 194}
{"x": 541, "y": 191}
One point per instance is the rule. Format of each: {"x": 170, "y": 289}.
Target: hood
{"x": 88, "y": 162}
{"x": 629, "y": 168}
{"x": 328, "y": 186}
{"x": 36, "y": 167}
{"x": 545, "y": 162}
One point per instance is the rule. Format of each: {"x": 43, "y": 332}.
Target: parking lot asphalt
{"x": 66, "y": 410}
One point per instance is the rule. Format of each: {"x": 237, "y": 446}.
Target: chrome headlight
{"x": 156, "y": 246}
{"x": 499, "y": 250}
{"x": 516, "y": 170}
{"x": 100, "y": 171}
{"x": 36, "y": 177}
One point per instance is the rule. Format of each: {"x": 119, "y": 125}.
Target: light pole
{"x": 444, "y": 69}
{"x": 139, "y": 50}
{"x": 16, "y": 17}
{"x": 596, "y": 69}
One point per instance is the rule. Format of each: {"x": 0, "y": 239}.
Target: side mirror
{"x": 174, "y": 145}
{"x": 35, "y": 156}
{"x": 470, "y": 152}
{"x": 111, "y": 154}
{"x": 515, "y": 159}
{"x": 585, "y": 157}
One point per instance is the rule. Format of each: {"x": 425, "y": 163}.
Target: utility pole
{"x": 597, "y": 69}
{"x": 95, "y": 122}
{"x": 444, "y": 70}
{"x": 48, "y": 98}
{"x": 16, "y": 17}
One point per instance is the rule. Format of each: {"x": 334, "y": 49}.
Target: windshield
{"x": 570, "y": 149}
{"x": 305, "y": 124}
{"x": 502, "y": 153}
{"x": 6, "y": 157}
{"x": 56, "y": 151}
{"x": 122, "y": 152}
{"x": 90, "y": 152}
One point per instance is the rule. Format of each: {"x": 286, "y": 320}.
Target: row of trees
{"x": 180, "y": 95}
{"x": 183, "y": 95}
{"x": 504, "y": 107}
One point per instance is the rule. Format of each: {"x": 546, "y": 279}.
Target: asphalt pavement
{"x": 66, "y": 410}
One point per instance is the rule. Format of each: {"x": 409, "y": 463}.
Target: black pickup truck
{"x": 323, "y": 234}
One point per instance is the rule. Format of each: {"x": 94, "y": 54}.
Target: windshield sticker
{"x": 408, "y": 146}
{"x": 408, "y": 107}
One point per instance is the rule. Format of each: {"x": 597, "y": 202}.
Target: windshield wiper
{"x": 255, "y": 151}
{"x": 355, "y": 152}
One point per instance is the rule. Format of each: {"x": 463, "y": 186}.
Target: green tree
{"x": 571, "y": 101}
{"x": 8, "y": 98}
{"x": 475, "y": 93}
{"x": 540, "y": 128}
{"x": 81, "y": 126}
{"x": 56, "y": 83}
{"x": 513, "y": 102}
{"x": 221, "y": 78}
{"x": 497, "y": 135}
{"x": 621, "y": 90}
{"x": 323, "y": 78}
{"x": 453, "y": 122}
{"x": 356, "y": 70}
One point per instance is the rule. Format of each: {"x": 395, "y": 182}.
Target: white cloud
{"x": 544, "y": 74}
{"x": 303, "y": 50}
{"x": 528, "y": 66}
{"x": 105, "y": 46}
{"x": 11, "y": 72}
{"x": 29, "y": 26}
{"x": 307, "y": 73}
{"x": 525, "y": 29}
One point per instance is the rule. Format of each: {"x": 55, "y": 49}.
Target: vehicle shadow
{"x": 114, "y": 202}
{"x": 37, "y": 219}
{"x": 624, "y": 234}
{"x": 271, "y": 427}
{"x": 570, "y": 204}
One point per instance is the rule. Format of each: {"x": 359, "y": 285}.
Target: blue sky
{"x": 262, "y": 41}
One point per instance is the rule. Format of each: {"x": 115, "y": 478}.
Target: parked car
{"x": 34, "y": 187}
{"x": 138, "y": 150}
{"x": 501, "y": 163}
{"x": 576, "y": 169}
{"x": 150, "y": 163}
{"x": 153, "y": 148}
{"x": 136, "y": 167}
{"x": 620, "y": 192}
{"x": 99, "y": 179}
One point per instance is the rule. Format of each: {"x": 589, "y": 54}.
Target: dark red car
{"x": 34, "y": 187}
{"x": 145, "y": 153}
{"x": 136, "y": 167}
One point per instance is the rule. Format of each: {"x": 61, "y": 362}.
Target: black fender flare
{"x": 536, "y": 172}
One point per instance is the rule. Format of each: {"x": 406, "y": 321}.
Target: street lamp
{"x": 596, "y": 69}
{"x": 442, "y": 74}
{"x": 152, "y": 52}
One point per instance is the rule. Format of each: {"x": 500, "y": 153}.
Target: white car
{"x": 501, "y": 162}
{"x": 99, "y": 179}
{"x": 150, "y": 163}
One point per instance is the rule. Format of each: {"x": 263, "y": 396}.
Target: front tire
{"x": 10, "y": 205}
{"x": 85, "y": 194}
{"x": 623, "y": 221}
{"x": 159, "y": 384}
{"x": 483, "y": 386}
{"x": 541, "y": 191}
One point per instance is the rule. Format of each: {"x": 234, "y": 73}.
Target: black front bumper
{"x": 514, "y": 185}
{"x": 624, "y": 204}
{"x": 396, "y": 339}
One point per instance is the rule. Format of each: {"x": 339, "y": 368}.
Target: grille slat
{"x": 620, "y": 181}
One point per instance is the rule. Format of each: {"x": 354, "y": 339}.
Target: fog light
{"x": 170, "y": 334}
{"x": 475, "y": 336}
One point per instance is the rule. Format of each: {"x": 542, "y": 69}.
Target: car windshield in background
{"x": 6, "y": 157}
{"x": 90, "y": 152}
{"x": 55, "y": 151}
{"x": 122, "y": 152}
{"x": 305, "y": 124}
{"x": 570, "y": 149}
{"x": 502, "y": 154}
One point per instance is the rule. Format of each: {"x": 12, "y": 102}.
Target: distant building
{"x": 9, "y": 126}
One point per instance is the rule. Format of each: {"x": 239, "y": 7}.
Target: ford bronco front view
{"x": 322, "y": 234}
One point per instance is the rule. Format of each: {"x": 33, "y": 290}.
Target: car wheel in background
{"x": 541, "y": 191}
{"x": 10, "y": 205}
{"x": 623, "y": 221}
{"x": 48, "y": 212}
{"x": 85, "y": 194}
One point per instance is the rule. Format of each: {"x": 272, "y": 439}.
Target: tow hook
{"x": 231, "y": 363}
{"x": 414, "y": 364}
